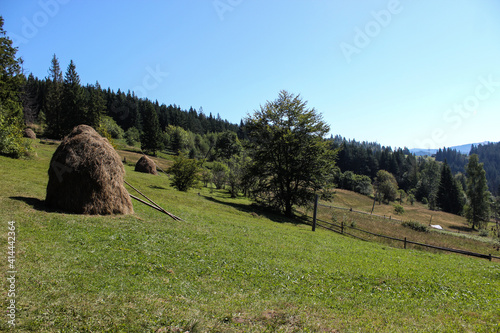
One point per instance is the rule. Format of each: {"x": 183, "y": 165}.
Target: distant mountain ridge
{"x": 464, "y": 149}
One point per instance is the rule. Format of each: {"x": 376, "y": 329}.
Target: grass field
{"x": 229, "y": 267}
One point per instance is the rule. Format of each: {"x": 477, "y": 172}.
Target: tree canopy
{"x": 477, "y": 210}
{"x": 448, "y": 196}
{"x": 291, "y": 159}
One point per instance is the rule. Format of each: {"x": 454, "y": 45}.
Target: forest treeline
{"x": 488, "y": 154}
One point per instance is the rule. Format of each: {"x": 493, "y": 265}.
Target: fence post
{"x": 490, "y": 257}
{"x": 315, "y": 212}
{"x": 405, "y": 243}
{"x": 342, "y": 227}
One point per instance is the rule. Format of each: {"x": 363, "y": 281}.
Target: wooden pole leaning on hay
{"x": 153, "y": 204}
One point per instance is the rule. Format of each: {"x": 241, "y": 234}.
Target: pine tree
{"x": 477, "y": 211}
{"x": 448, "y": 194}
{"x": 53, "y": 104}
{"x": 73, "y": 101}
{"x": 96, "y": 106}
{"x": 151, "y": 138}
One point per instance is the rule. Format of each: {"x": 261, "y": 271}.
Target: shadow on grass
{"x": 256, "y": 210}
{"x": 49, "y": 142}
{"x": 35, "y": 203}
{"x": 461, "y": 228}
{"x": 156, "y": 187}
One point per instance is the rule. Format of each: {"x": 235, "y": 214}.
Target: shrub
{"x": 112, "y": 127}
{"x": 415, "y": 226}
{"x": 484, "y": 233}
{"x": 185, "y": 173}
{"x": 132, "y": 135}
{"x": 399, "y": 210}
{"x": 12, "y": 143}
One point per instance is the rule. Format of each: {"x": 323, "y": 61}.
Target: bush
{"x": 399, "y": 210}
{"x": 132, "y": 135}
{"x": 357, "y": 183}
{"x": 12, "y": 143}
{"x": 185, "y": 173}
{"x": 484, "y": 233}
{"x": 415, "y": 226}
{"x": 112, "y": 127}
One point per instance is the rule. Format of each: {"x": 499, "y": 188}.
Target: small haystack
{"x": 28, "y": 133}
{"x": 146, "y": 165}
{"x": 86, "y": 176}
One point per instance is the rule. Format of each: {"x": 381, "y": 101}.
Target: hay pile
{"x": 28, "y": 133}
{"x": 146, "y": 165}
{"x": 86, "y": 176}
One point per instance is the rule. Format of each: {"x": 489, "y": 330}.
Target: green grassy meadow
{"x": 230, "y": 267}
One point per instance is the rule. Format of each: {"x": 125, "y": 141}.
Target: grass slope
{"x": 456, "y": 234}
{"x": 228, "y": 268}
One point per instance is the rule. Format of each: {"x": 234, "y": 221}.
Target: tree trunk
{"x": 288, "y": 209}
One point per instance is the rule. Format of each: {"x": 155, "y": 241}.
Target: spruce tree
{"x": 96, "y": 106}
{"x": 477, "y": 211}
{"x": 73, "y": 101}
{"x": 448, "y": 194}
{"x": 151, "y": 138}
{"x": 53, "y": 104}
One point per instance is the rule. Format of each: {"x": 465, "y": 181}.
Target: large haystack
{"x": 86, "y": 176}
{"x": 28, "y": 133}
{"x": 146, "y": 165}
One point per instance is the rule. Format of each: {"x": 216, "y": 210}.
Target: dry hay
{"x": 28, "y": 133}
{"x": 86, "y": 176}
{"x": 146, "y": 165}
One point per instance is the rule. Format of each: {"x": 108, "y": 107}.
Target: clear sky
{"x": 421, "y": 74}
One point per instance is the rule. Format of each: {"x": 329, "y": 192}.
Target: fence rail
{"x": 341, "y": 229}
{"x": 361, "y": 212}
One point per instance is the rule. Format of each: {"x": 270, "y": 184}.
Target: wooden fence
{"x": 343, "y": 229}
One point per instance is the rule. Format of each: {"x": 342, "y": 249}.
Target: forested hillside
{"x": 489, "y": 155}
{"x": 126, "y": 109}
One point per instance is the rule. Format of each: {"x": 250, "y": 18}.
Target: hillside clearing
{"x": 230, "y": 268}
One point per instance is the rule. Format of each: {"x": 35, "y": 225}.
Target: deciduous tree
{"x": 11, "y": 110}
{"x": 386, "y": 186}
{"x": 291, "y": 159}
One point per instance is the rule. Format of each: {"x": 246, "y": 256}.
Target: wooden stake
{"x": 158, "y": 207}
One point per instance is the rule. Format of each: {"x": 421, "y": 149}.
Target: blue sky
{"x": 420, "y": 74}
